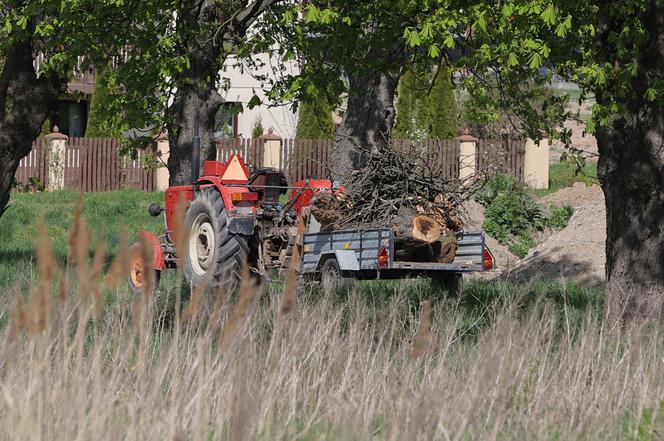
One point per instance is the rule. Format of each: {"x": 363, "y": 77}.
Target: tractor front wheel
{"x": 214, "y": 256}
{"x": 137, "y": 269}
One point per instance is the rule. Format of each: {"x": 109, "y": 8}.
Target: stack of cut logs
{"x": 403, "y": 193}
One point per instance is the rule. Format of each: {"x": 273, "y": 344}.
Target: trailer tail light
{"x": 383, "y": 258}
{"x": 488, "y": 260}
{"x": 244, "y": 196}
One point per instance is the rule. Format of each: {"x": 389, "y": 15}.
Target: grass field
{"x": 565, "y": 174}
{"x": 109, "y": 215}
{"x": 82, "y": 358}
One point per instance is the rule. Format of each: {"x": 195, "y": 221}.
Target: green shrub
{"x": 512, "y": 216}
{"x": 495, "y": 185}
{"x": 521, "y": 244}
{"x": 102, "y": 121}
{"x": 557, "y": 217}
{"x": 314, "y": 120}
{"x": 257, "y": 130}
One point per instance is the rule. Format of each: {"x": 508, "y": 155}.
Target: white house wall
{"x": 243, "y": 85}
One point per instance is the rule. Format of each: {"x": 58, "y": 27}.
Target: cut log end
{"x": 425, "y": 229}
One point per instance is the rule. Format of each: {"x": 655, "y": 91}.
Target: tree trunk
{"x": 367, "y": 123}
{"x": 631, "y": 173}
{"x": 196, "y": 100}
{"x": 25, "y": 102}
{"x": 194, "y": 109}
{"x": 210, "y": 25}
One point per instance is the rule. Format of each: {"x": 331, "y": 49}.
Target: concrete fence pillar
{"x": 56, "y": 150}
{"x": 271, "y": 149}
{"x": 467, "y": 157}
{"x": 536, "y": 164}
{"x": 162, "y": 174}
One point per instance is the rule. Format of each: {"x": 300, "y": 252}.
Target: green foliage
{"x": 565, "y": 174}
{"x": 314, "y": 120}
{"x": 441, "y": 106}
{"x": 257, "y": 131}
{"x": 572, "y": 303}
{"x": 103, "y": 122}
{"x": 46, "y": 128}
{"x": 512, "y": 216}
{"x": 111, "y": 214}
{"x": 521, "y": 244}
{"x": 425, "y": 110}
{"x": 412, "y": 106}
{"x": 558, "y": 217}
{"x": 644, "y": 427}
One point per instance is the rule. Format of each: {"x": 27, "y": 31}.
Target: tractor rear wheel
{"x": 214, "y": 256}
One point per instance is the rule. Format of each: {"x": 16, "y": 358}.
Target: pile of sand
{"x": 577, "y": 251}
{"x": 573, "y": 253}
{"x": 577, "y": 195}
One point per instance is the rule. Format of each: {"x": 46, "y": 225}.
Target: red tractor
{"x": 233, "y": 217}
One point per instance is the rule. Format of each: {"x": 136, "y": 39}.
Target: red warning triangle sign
{"x": 235, "y": 170}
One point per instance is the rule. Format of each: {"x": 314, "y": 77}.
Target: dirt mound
{"x": 576, "y": 196}
{"x": 576, "y": 252}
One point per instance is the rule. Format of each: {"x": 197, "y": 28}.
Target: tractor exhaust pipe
{"x": 195, "y": 158}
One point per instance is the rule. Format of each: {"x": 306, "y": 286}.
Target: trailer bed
{"x": 357, "y": 252}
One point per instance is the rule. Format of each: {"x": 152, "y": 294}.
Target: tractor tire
{"x": 452, "y": 283}
{"x": 331, "y": 278}
{"x": 136, "y": 277}
{"x": 214, "y": 256}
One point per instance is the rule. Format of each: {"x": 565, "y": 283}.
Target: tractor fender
{"x": 159, "y": 263}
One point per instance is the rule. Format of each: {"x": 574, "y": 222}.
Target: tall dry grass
{"x": 281, "y": 366}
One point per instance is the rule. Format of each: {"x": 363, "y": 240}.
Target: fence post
{"x": 467, "y": 156}
{"x": 161, "y": 174}
{"x": 271, "y": 149}
{"x": 536, "y": 164}
{"x": 56, "y": 149}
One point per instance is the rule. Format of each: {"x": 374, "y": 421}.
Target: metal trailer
{"x": 335, "y": 258}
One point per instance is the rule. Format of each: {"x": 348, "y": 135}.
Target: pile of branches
{"x": 391, "y": 184}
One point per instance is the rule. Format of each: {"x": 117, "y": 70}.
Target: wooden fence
{"x": 307, "y": 158}
{"x": 94, "y": 164}
{"x": 505, "y": 155}
{"x": 90, "y": 165}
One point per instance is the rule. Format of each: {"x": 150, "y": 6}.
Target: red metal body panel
{"x": 158, "y": 262}
{"x": 172, "y": 197}
{"x": 306, "y": 191}
{"x": 213, "y": 168}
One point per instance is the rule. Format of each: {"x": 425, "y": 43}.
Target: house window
{"x": 71, "y": 117}
{"x": 225, "y": 121}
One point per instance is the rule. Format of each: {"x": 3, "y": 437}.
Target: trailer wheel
{"x": 450, "y": 282}
{"x": 136, "y": 278}
{"x": 331, "y": 278}
{"x": 214, "y": 256}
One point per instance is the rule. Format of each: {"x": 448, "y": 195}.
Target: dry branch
{"x": 405, "y": 190}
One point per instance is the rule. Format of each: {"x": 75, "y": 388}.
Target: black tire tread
{"x": 232, "y": 250}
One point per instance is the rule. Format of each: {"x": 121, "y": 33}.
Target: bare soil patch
{"x": 575, "y": 252}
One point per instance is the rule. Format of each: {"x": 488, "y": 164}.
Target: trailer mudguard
{"x": 346, "y": 259}
{"x": 159, "y": 263}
